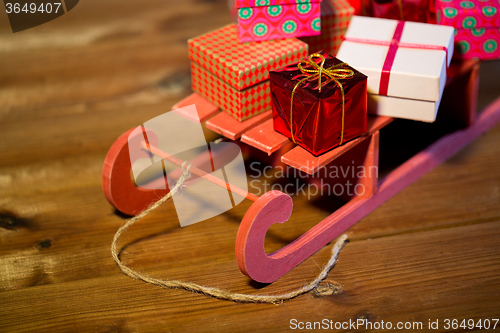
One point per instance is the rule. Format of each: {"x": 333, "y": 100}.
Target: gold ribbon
{"x": 332, "y": 73}
{"x": 400, "y": 5}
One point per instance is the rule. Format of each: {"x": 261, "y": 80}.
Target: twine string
{"x": 332, "y": 73}
{"x": 210, "y": 291}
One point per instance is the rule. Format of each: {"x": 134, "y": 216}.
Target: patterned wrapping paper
{"x": 468, "y": 14}
{"x": 335, "y": 17}
{"x": 479, "y": 43}
{"x": 477, "y": 27}
{"x": 329, "y": 40}
{"x": 262, "y": 3}
{"x": 239, "y": 66}
{"x": 336, "y": 13}
{"x": 242, "y": 104}
{"x": 285, "y": 20}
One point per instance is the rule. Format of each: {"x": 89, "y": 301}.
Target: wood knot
{"x": 45, "y": 244}
{"x": 327, "y": 288}
{"x": 364, "y": 315}
{"x": 10, "y": 221}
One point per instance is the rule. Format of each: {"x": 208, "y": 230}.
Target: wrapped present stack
{"x": 321, "y": 69}
{"x": 231, "y": 68}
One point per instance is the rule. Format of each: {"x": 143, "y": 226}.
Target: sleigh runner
{"x": 457, "y": 111}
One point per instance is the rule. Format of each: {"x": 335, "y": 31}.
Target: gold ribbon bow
{"x": 332, "y": 73}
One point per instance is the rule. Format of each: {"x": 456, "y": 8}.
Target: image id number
{"x": 32, "y": 8}
{"x": 485, "y": 324}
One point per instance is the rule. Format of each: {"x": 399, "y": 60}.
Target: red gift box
{"x": 403, "y": 10}
{"x": 358, "y": 6}
{"x": 319, "y": 103}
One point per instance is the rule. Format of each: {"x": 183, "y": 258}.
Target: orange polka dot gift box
{"x": 477, "y": 27}
{"x": 260, "y": 20}
{"x": 235, "y": 76}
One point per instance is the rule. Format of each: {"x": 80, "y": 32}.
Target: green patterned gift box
{"x": 260, "y": 20}
{"x": 477, "y": 27}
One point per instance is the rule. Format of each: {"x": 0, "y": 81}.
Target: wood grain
{"x": 303, "y": 160}
{"x": 265, "y": 138}
{"x": 413, "y": 277}
{"x": 70, "y": 87}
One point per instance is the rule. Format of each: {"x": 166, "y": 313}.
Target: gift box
{"x": 359, "y": 6}
{"x": 235, "y": 76}
{"x": 404, "y": 10}
{"x": 335, "y": 17}
{"x": 405, "y": 62}
{"x": 477, "y": 25}
{"x": 319, "y": 103}
{"x": 260, "y": 20}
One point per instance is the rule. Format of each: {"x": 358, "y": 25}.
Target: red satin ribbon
{"x": 394, "y": 44}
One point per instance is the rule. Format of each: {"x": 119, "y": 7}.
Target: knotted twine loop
{"x": 209, "y": 291}
{"x": 332, "y": 73}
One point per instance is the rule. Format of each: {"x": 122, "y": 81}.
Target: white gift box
{"x": 418, "y": 73}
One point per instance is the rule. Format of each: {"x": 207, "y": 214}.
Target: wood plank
{"x": 92, "y": 129}
{"x": 393, "y": 284}
{"x": 376, "y": 123}
{"x": 303, "y": 160}
{"x": 49, "y": 204}
{"x": 142, "y": 53}
{"x": 71, "y": 86}
{"x": 265, "y": 138}
{"x": 43, "y": 194}
{"x": 228, "y": 126}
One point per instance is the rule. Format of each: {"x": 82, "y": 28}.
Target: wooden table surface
{"x": 70, "y": 87}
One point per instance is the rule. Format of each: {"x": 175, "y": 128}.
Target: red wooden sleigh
{"x": 458, "y": 107}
